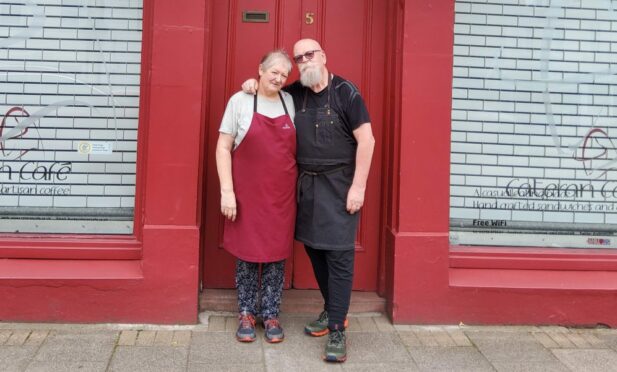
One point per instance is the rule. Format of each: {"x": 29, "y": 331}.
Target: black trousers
{"x": 334, "y": 273}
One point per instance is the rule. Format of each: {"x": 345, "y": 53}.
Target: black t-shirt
{"x": 346, "y": 100}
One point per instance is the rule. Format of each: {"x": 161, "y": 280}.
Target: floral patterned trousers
{"x": 267, "y": 291}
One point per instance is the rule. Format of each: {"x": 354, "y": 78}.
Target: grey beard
{"x": 310, "y": 77}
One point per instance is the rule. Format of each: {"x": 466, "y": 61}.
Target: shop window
{"x": 69, "y": 103}
{"x": 534, "y": 124}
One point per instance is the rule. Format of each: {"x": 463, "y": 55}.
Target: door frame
{"x": 375, "y": 17}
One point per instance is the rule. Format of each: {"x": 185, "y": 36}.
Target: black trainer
{"x": 336, "y": 347}
{"x": 319, "y": 326}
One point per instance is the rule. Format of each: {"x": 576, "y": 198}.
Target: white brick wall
{"x": 87, "y": 56}
{"x": 531, "y": 79}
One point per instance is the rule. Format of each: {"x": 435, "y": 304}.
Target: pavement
{"x": 374, "y": 344}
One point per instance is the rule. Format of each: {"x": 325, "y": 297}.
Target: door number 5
{"x": 309, "y": 18}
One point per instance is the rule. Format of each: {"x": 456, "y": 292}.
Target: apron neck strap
{"x": 280, "y": 96}
{"x": 283, "y": 102}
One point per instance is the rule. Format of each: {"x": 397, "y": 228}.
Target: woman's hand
{"x": 228, "y": 205}
{"x": 223, "y": 167}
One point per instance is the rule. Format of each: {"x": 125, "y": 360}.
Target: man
{"x": 334, "y": 149}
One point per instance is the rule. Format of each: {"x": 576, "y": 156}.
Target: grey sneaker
{"x": 336, "y": 347}
{"x": 273, "y": 331}
{"x": 319, "y": 326}
{"x": 246, "y": 327}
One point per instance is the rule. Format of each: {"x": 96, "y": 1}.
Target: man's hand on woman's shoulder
{"x": 250, "y": 86}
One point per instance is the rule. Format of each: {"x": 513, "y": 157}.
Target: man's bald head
{"x": 304, "y": 45}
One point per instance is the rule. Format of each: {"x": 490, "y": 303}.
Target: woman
{"x": 255, "y": 159}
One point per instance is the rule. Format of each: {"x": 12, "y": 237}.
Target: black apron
{"x": 326, "y": 160}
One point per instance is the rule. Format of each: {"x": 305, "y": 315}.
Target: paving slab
{"x": 594, "y": 341}
{"x": 128, "y": 338}
{"x": 221, "y": 348}
{"x": 231, "y": 323}
{"x": 36, "y": 337}
{"x": 374, "y": 347}
{"x": 383, "y": 323}
{"x": 510, "y": 347}
{"x": 562, "y": 339}
{"x": 443, "y": 338}
{"x": 367, "y": 324}
{"x": 181, "y": 338}
{"x": 425, "y": 336}
{"x": 315, "y": 365}
{"x": 18, "y": 337}
{"x": 522, "y": 366}
{"x": 66, "y": 366}
{"x": 163, "y": 338}
{"x": 546, "y": 340}
{"x": 409, "y": 338}
{"x": 298, "y": 352}
{"x": 145, "y": 338}
{"x": 588, "y": 359}
{"x": 216, "y": 323}
{"x": 152, "y": 358}
{"x": 91, "y": 346}
{"x": 4, "y": 335}
{"x": 16, "y": 358}
{"x": 201, "y": 367}
{"x": 374, "y": 367}
{"x": 503, "y": 328}
{"x": 460, "y": 358}
{"x": 354, "y": 323}
{"x": 607, "y": 339}
{"x": 457, "y": 334}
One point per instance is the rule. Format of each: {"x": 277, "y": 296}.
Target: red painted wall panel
{"x": 427, "y": 281}
{"x": 151, "y": 277}
{"x": 425, "y": 116}
{"x": 174, "y": 129}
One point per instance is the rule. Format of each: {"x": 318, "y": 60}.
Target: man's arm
{"x": 250, "y": 87}
{"x": 364, "y": 154}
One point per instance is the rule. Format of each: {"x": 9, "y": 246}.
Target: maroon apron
{"x": 264, "y": 176}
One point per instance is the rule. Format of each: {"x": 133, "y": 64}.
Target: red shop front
{"x": 192, "y": 58}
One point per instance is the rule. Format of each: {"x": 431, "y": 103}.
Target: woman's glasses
{"x": 308, "y": 55}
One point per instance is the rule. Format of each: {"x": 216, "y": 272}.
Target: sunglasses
{"x": 308, "y": 55}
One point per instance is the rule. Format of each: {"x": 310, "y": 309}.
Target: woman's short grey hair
{"x": 270, "y": 59}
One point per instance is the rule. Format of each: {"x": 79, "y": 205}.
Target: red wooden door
{"x": 352, "y": 35}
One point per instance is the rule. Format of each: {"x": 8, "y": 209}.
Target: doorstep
{"x": 295, "y": 301}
